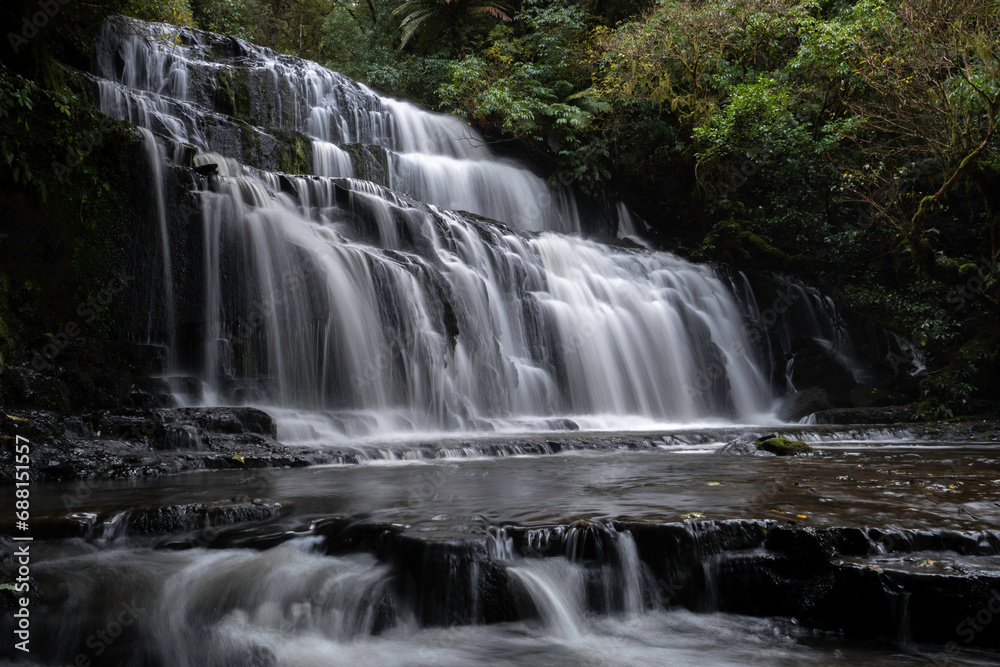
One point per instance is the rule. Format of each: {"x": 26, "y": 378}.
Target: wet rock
{"x": 188, "y": 389}
{"x": 804, "y": 403}
{"x": 742, "y": 446}
{"x": 131, "y": 443}
{"x": 867, "y": 396}
{"x": 195, "y": 516}
{"x": 146, "y": 359}
{"x": 153, "y": 392}
{"x": 182, "y": 437}
{"x": 782, "y": 446}
{"x": 887, "y": 415}
{"x": 815, "y": 366}
{"x": 207, "y": 169}
{"x": 564, "y": 425}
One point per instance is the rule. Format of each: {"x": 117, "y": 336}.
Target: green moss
{"x": 782, "y": 446}
{"x": 293, "y": 152}
{"x": 253, "y": 151}
{"x": 370, "y": 163}
{"x": 232, "y": 92}
{"x": 732, "y": 243}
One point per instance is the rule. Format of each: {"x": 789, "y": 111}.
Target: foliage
{"x": 925, "y": 88}
{"x": 15, "y": 103}
{"x": 531, "y": 86}
{"x": 432, "y": 19}
{"x": 249, "y": 19}
{"x": 177, "y": 12}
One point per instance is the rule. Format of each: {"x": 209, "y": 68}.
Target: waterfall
{"x": 381, "y": 310}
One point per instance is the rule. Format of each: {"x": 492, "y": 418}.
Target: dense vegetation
{"x": 852, "y": 142}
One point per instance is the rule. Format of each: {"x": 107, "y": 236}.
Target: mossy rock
{"x": 232, "y": 92}
{"x": 782, "y": 446}
{"x": 293, "y": 152}
{"x": 370, "y": 163}
{"x": 732, "y": 242}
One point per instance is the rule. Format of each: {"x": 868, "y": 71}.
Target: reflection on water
{"x": 890, "y": 484}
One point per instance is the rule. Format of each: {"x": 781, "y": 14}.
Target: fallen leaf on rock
{"x": 712, "y": 483}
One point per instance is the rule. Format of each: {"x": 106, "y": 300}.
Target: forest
{"x": 851, "y": 143}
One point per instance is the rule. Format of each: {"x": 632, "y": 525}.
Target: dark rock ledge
{"x": 131, "y": 443}
{"x": 889, "y": 586}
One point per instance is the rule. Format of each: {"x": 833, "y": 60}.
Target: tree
{"x": 926, "y": 93}
{"x": 448, "y": 18}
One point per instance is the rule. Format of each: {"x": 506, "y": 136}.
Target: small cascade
{"x": 790, "y": 312}
{"x": 629, "y": 225}
{"x": 608, "y": 571}
{"x": 331, "y": 160}
{"x": 156, "y": 159}
{"x": 471, "y": 185}
{"x": 802, "y": 339}
{"x": 218, "y": 607}
{"x": 555, "y": 587}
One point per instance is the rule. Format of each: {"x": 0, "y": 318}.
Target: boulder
{"x": 782, "y": 446}
{"x": 804, "y": 403}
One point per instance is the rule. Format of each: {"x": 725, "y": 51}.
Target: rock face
{"x": 887, "y": 415}
{"x": 804, "y": 403}
{"x": 867, "y": 396}
{"x": 124, "y": 443}
{"x": 809, "y": 344}
{"x": 815, "y": 366}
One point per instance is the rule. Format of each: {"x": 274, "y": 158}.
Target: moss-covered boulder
{"x": 782, "y": 446}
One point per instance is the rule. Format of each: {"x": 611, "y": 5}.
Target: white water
{"x": 291, "y": 605}
{"x": 355, "y": 312}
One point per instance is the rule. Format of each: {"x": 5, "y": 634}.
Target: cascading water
{"x": 388, "y": 315}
